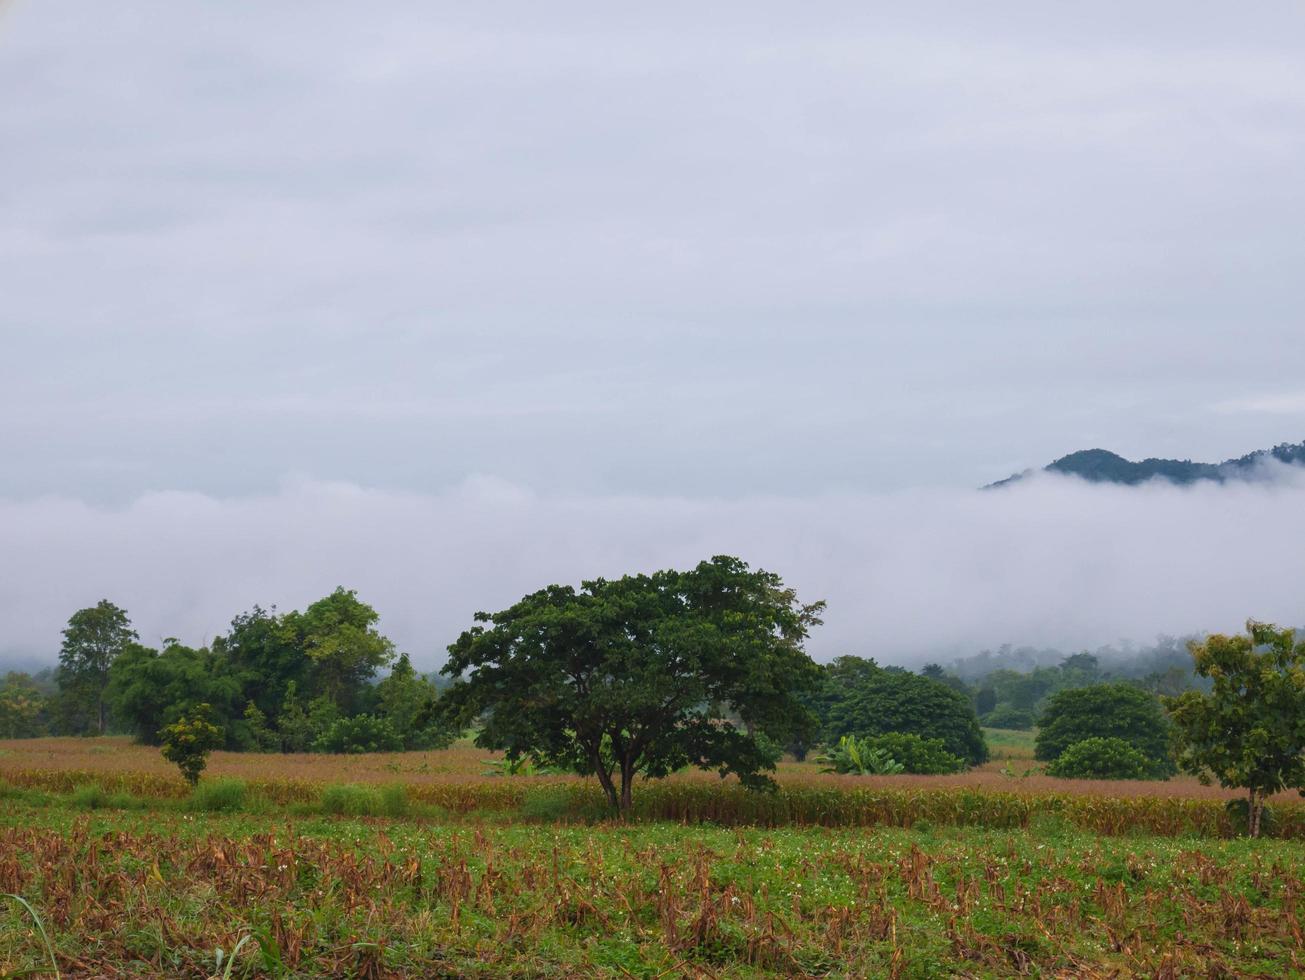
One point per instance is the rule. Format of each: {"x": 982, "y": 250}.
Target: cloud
{"x": 908, "y": 575}
{"x": 1283, "y": 403}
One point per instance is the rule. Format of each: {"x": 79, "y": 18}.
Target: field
{"x": 425, "y": 866}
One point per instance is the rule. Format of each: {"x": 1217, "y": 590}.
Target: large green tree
{"x": 1248, "y": 732}
{"x": 1105, "y": 711}
{"x": 344, "y": 649}
{"x": 149, "y": 689}
{"x": 858, "y": 697}
{"x": 642, "y": 675}
{"x": 92, "y": 641}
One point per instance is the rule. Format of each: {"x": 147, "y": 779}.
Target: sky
{"x": 446, "y": 301}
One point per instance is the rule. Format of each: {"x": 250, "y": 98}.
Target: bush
{"x": 219, "y": 796}
{"x": 1100, "y": 758}
{"x": 1008, "y": 717}
{"x": 916, "y": 755}
{"x": 361, "y": 733}
{"x": 1106, "y": 711}
{"x": 855, "y": 757}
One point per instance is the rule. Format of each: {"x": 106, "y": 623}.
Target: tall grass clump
{"x": 93, "y": 796}
{"x": 351, "y": 801}
{"x": 220, "y": 796}
{"x": 393, "y": 800}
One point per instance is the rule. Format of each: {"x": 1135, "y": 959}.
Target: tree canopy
{"x": 858, "y": 697}
{"x": 93, "y": 639}
{"x": 1106, "y": 711}
{"x": 642, "y": 675}
{"x": 1249, "y": 730}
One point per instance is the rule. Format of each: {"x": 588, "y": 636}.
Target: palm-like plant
{"x": 855, "y": 758}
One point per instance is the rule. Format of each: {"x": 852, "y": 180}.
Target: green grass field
{"x": 157, "y": 893}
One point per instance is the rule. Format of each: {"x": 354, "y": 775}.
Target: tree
{"x": 188, "y": 742}
{"x": 1105, "y": 711}
{"x": 637, "y": 676}
{"x": 22, "y": 707}
{"x": 407, "y": 701}
{"x": 338, "y": 635}
{"x": 861, "y": 698}
{"x": 1248, "y": 732}
{"x": 149, "y": 689}
{"x": 92, "y": 641}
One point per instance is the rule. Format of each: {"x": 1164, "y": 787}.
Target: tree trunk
{"x": 102, "y": 714}
{"x": 627, "y": 785}
{"x": 1254, "y": 812}
{"x": 604, "y": 778}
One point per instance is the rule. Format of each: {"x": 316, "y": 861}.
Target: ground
{"x": 928, "y": 879}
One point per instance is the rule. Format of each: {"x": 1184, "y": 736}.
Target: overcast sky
{"x": 678, "y": 254}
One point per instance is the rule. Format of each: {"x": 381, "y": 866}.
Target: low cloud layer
{"x": 909, "y": 576}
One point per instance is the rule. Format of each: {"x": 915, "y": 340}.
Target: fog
{"x": 909, "y": 576}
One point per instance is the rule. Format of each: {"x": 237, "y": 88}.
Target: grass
{"x": 1009, "y": 743}
{"x": 154, "y": 895}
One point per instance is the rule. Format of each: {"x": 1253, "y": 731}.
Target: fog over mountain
{"x": 1052, "y": 561}
{"x": 1103, "y": 466}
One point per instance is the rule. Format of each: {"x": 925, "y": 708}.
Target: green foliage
{"x": 338, "y": 636}
{"x": 1106, "y": 711}
{"x": 409, "y": 703}
{"x": 93, "y": 639}
{"x": 361, "y": 733}
{"x": 296, "y": 730}
{"x": 1249, "y": 730}
{"x": 918, "y": 756}
{"x": 24, "y": 710}
{"x": 1013, "y": 719}
{"x": 657, "y": 667}
{"x": 188, "y": 741}
{"x": 856, "y": 758}
{"x": 390, "y": 800}
{"x": 220, "y": 796}
{"x": 1101, "y": 758}
{"x": 860, "y": 697}
{"x": 259, "y": 737}
{"x": 148, "y": 689}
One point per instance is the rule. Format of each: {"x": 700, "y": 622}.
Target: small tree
{"x": 642, "y": 675}
{"x": 1249, "y": 731}
{"x": 188, "y": 741}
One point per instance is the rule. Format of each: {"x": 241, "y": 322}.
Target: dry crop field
{"x": 420, "y": 864}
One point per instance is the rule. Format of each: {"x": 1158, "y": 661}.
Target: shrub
{"x": 856, "y": 758}
{"x": 189, "y": 740}
{"x": 923, "y": 756}
{"x": 1100, "y": 758}
{"x": 361, "y": 733}
{"x": 219, "y": 796}
{"x": 1106, "y": 711}
{"x": 1008, "y": 717}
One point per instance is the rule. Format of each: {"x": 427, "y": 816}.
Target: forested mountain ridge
{"x": 1103, "y": 466}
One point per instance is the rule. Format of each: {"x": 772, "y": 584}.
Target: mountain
{"x": 1103, "y": 466}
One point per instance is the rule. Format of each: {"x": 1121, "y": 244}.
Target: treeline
{"x": 289, "y": 682}
{"x": 1011, "y": 687}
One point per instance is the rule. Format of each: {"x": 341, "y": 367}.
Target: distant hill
{"x": 1103, "y": 466}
